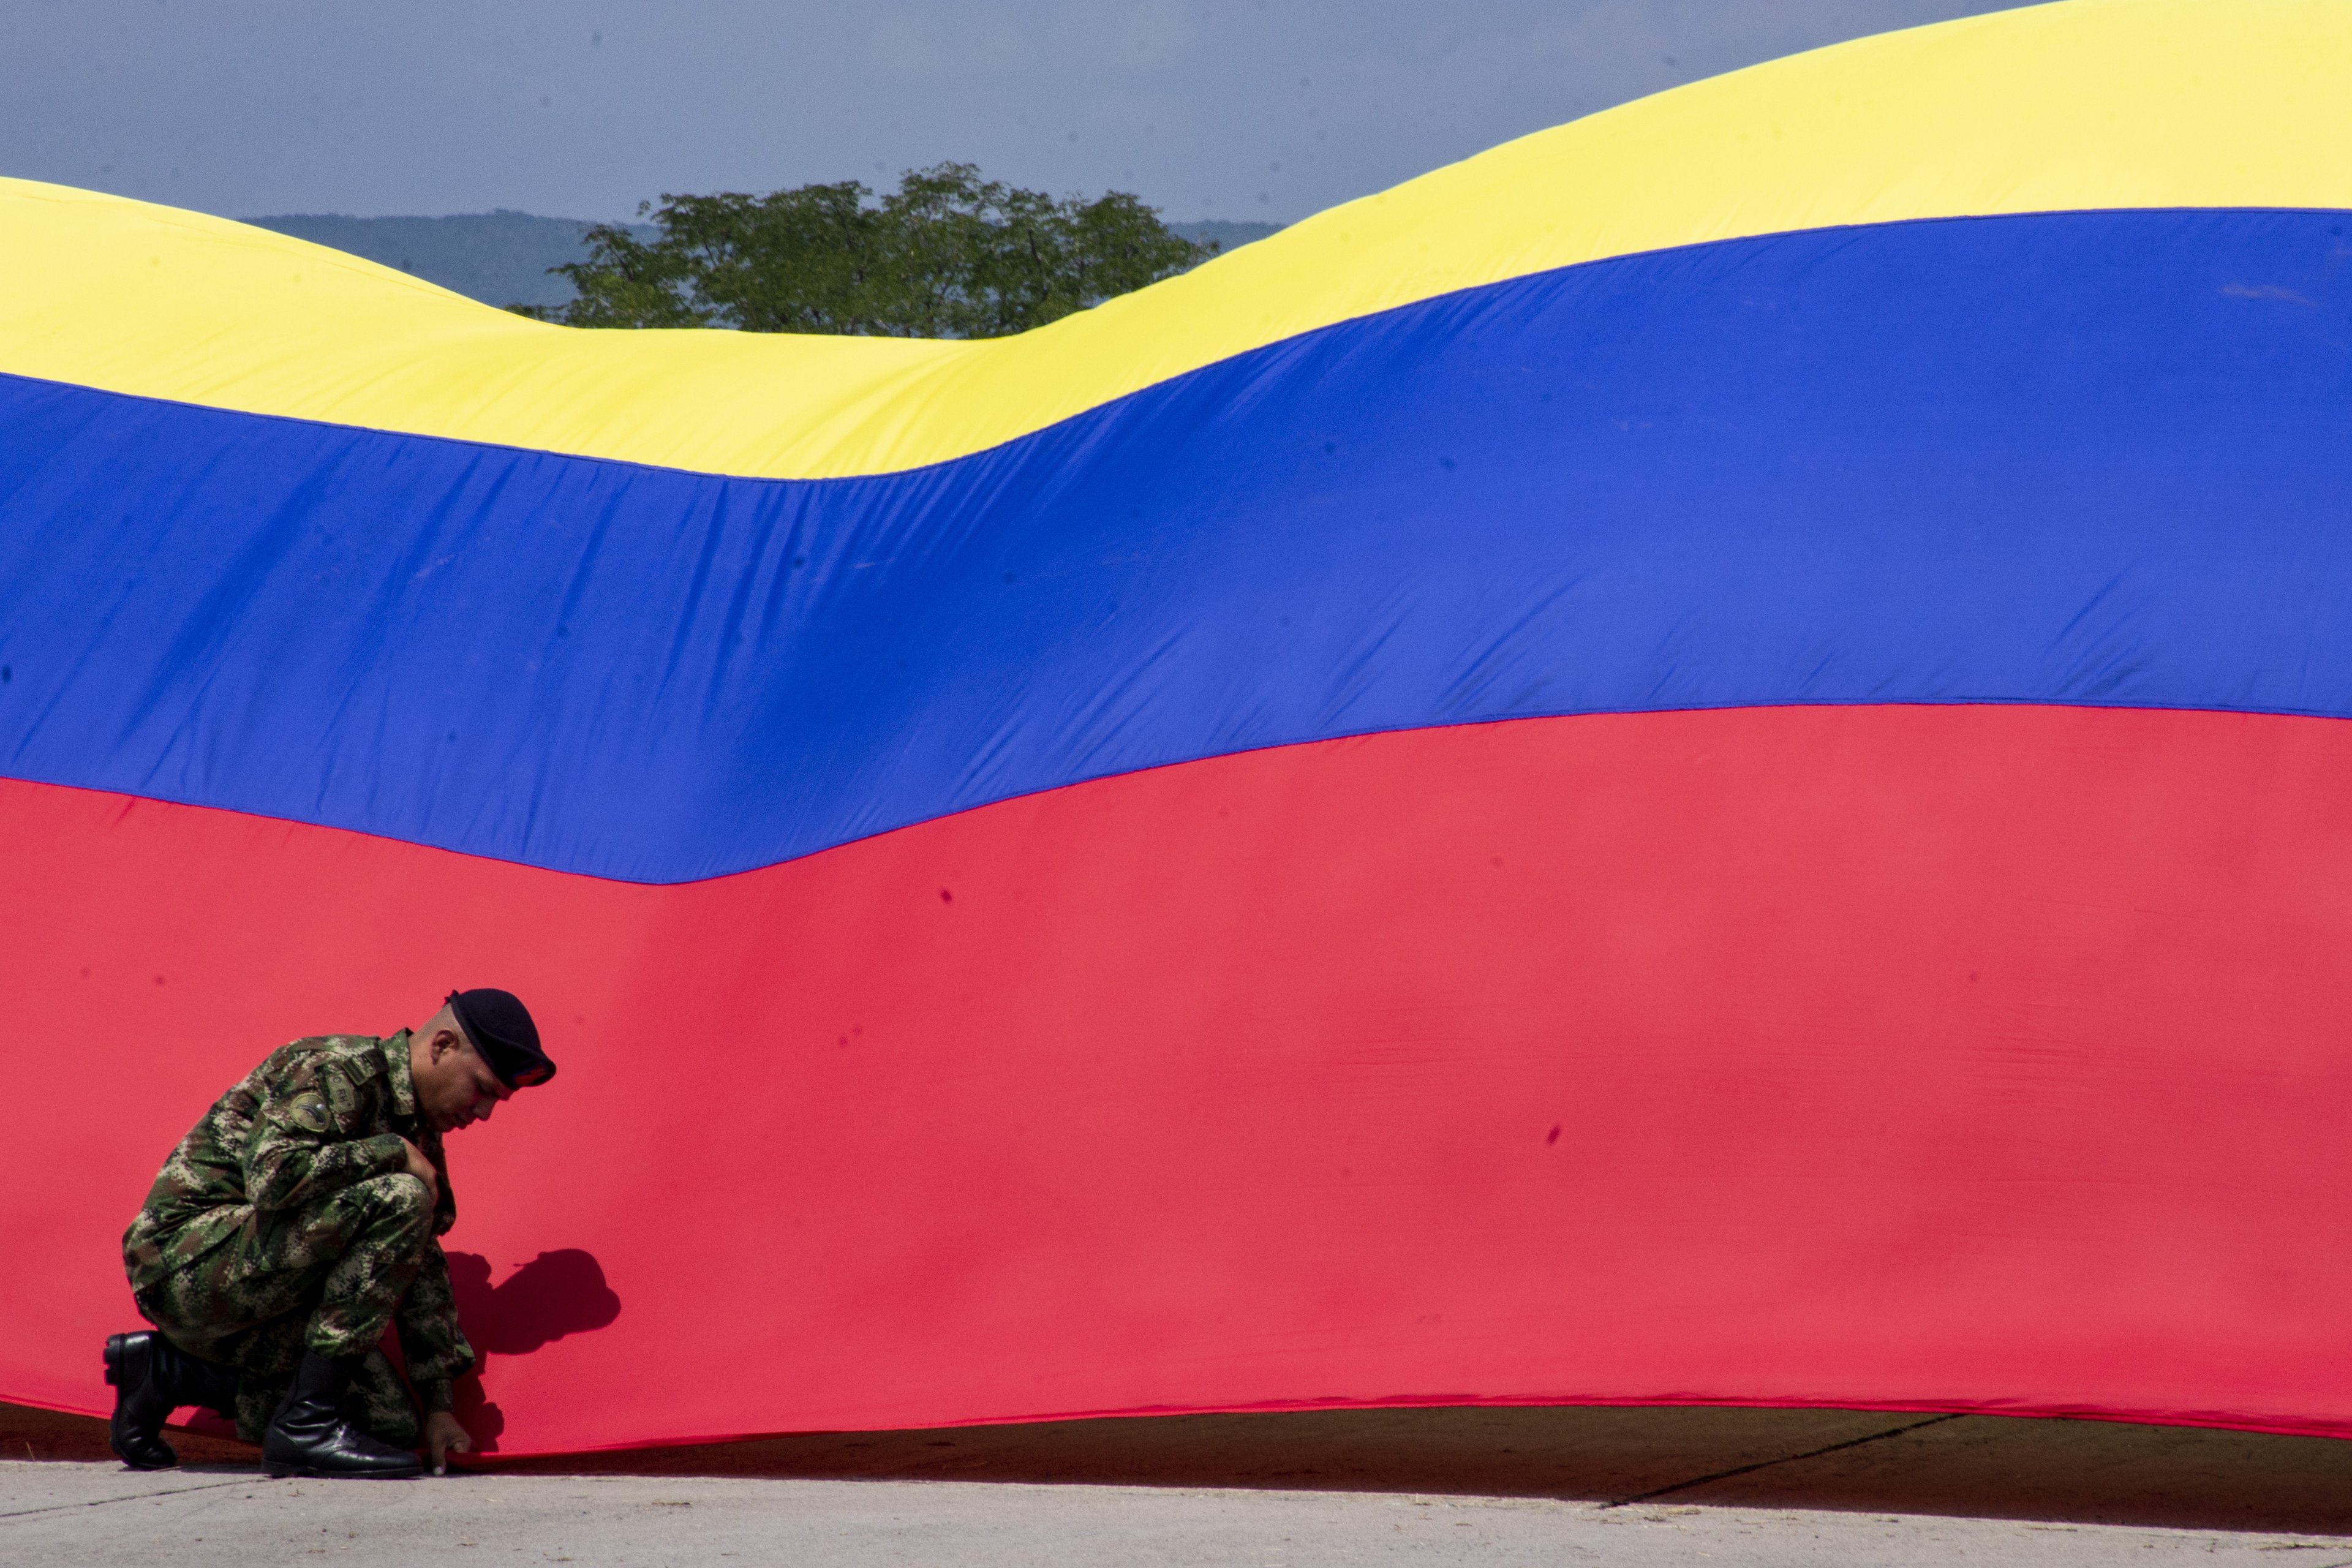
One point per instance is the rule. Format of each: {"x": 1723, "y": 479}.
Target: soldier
{"x": 297, "y": 1220}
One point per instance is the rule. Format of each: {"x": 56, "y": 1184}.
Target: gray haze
{"x": 1210, "y": 109}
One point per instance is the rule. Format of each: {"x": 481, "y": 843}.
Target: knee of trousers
{"x": 399, "y": 1211}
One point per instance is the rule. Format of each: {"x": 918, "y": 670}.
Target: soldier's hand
{"x": 443, "y": 1436}
{"x": 422, "y": 1169}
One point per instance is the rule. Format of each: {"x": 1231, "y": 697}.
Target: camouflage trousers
{"x": 325, "y": 1276}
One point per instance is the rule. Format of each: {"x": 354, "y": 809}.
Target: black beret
{"x": 499, "y": 1027}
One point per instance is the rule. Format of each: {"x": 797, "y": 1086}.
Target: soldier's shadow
{"x": 557, "y": 1294}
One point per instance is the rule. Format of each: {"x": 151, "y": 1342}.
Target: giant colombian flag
{"x": 1703, "y": 759}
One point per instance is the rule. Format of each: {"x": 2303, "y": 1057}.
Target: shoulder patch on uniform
{"x": 309, "y": 1111}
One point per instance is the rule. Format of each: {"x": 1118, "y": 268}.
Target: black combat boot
{"x": 309, "y": 1436}
{"x": 151, "y": 1378}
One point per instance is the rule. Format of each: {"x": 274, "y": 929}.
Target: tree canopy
{"x": 947, "y": 255}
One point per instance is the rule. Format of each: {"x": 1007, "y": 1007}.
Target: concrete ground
{"x": 1484, "y": 1487}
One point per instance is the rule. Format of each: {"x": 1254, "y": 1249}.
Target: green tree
{"x": 947, "y": 255}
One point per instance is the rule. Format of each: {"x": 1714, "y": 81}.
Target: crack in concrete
{"x": 127, "y": 1497}
{"x": 1785, "y": 1459}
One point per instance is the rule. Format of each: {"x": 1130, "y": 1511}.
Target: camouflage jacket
{"x": 316, "y": 1116}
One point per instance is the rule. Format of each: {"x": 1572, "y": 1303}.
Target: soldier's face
{"x": 454, "y": 1087}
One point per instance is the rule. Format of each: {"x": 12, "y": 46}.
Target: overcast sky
{"x": 1231, "y": 108}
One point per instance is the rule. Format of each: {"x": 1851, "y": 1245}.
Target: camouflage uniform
{"x": 285, "y": 1220}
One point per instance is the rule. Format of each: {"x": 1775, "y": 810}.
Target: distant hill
{"x": 501, "y": 258}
